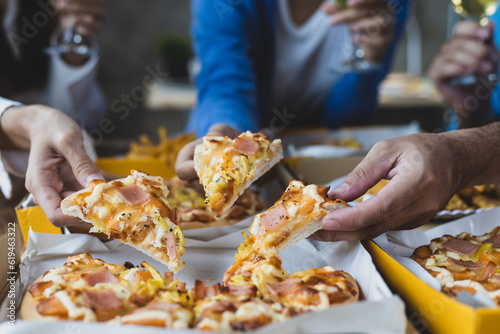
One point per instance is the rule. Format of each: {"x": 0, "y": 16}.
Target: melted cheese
{"x": 75, "y": 311}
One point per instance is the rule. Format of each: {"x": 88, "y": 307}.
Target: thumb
{"x": 84, "y": 169}
{"x": 373, "y": 168}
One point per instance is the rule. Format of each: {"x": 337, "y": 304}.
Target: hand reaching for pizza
{"x": 424, "y": 175}
{"x": 184, "y": 166}
{"x": 372, "y": 20}
{"x": 58, "y": 163}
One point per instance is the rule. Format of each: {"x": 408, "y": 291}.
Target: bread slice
{"x": 135, "y": 211}
{"x": 227, "y": 167}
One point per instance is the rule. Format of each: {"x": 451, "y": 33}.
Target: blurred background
{"x": 138, "y": 36}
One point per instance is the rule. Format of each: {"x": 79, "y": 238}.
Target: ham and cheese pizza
{"x": 464, "y": 263}
{"x": 90, "y": 289}
{"x": 135, "y": 211}
{"x": 227, "y": 167}
{"x": 295, "y": 216}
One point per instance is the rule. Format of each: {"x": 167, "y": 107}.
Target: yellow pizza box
{"x": 11, "y": 247}
{"x": 436, "y": 312}
{"x": 122, "y": 166}
{"x": 34, "y": 218}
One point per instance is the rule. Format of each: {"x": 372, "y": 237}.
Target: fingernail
{"x": 93, "y": 177}
{"x": 340, "y": 189}
{"x": 482, "y": 33}
{"x": 331, "y": 225}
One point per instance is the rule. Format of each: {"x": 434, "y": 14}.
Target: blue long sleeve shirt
{"x": 234, "y": 41}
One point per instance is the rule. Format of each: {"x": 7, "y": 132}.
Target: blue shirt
{"x": 234, "y": 42}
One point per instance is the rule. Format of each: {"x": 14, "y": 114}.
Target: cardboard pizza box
{"x": 120, "y": 167}
{"x": 435, "y": 311}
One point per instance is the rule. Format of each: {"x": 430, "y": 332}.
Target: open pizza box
{"x": 436, "y": 312}
{"x": 209, "y": 252}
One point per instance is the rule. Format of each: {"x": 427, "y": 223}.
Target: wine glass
{"x": 478, "y": 11}
{"x": 70, "y": 42}
{"x": 356, "y": 61}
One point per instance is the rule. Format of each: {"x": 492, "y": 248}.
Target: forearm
{"x": 14, "y": 128}
{"x": 476, "y": 154}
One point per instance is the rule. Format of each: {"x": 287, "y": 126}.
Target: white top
{"x": 305, "y": 57}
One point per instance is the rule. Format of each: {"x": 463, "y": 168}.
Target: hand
{"x": 470, "y": 51}
{"x": 184, "y": 166}
{"x": 372, "y": 20}
{"x": 424, "y": 175}
{"x": 58, "y": 164}
{"x": 87, "y": 14}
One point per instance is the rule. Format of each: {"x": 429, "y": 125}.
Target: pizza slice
{"x": 295, "y": 216}
{"x": 135, "y": 211}
{"x": 227, "y": 167}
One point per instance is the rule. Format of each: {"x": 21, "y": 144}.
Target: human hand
{"x": 58, "y": 163}
{"x": 371, "y": 20}
{"x": 470, "y": 51}
{"x": 184, "y": 166}
{"x": 424, "y": 176}
{"x": 87, "y": 15}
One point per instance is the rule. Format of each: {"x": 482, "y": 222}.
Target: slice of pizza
{"x": 227, "y": 167}
{"x": 135, "y": 211}
{"x": 295, "y": 216}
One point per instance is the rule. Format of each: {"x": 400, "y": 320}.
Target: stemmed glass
{"x": 478, "y": 11}
{"x": 356, "y": 61}
{"x": 70, "y": 42}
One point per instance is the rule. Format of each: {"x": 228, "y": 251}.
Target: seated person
{"x": 66, "y": 82}
{"x": 270, "y": 64}
{"x": 471, "y": 51}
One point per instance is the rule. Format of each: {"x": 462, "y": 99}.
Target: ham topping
{"x": 461, "y": 246}
{"x": 488, "y": 271}
{"x": 199, "y": 290}
{"x": 288, "y": 285}
{"x": 495, "y": 241}
{"x": 246, "y": 146}
{"x": 247, "y": 290}
{"x": 171, "y": 246}
{"x": 213, "y": 290}
{"x": 101, "y": 276}
{"x": 466, "y": 264}
{"x": 273, "y": 218}
{"x": 102, "y": 300}
{"x": 51, "y": 306}
{"x": 133, "y": 195}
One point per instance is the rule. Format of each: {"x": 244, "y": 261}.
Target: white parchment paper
{"x": 209, "y": 252}
{"x": 401, "y": 244}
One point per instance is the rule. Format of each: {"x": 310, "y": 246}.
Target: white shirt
{"x": 305, "y": 57}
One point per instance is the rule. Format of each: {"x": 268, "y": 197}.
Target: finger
{"x": 472, "y": 30}
{"x": 444, "y": 71}
{"x": 59, "y": 219}
{"x": 330, "y": 8}
{"x": 83, "y": 167}
{"x": 367, "y": 173}
{"x": 184, "y": 165}
{"x": 358, "y": 3}
{"x": 83, "y": 9}
{"x": 86, "y": 25}
{"x": 221, "y": 129}
{"x": 195, "y": 184}
{"x": 349, "y": 15}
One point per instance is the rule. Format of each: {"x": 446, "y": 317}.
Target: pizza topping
{"x": 488, "y": 271}
{"x": 168, "y": 307}
{"x": 133, "y": 195}
{"x": 37, "y": 289}
{"x": 246, "y": 146}
{"x": 466, "y": 264}
{"x": 288, "y": 285}
{"x": 51, "y": 307}
{"x": 495, "y": 241}
{"x": 247, "y": 290}
{"x": 213, "y": 290}
{"x": 102, "y": 300}
{"x": 171, "y": 245}
{"x": 461, "y": 246}
{"x": 272, "y": 219}
{"x": 199, "y": 290}
{"x": 100, "y": 276}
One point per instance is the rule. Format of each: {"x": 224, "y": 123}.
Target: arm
{"x": 381, "y": 24}
{"x": 58, "y": 163}
{"x": 425, "y": 171}
{"x": 226, "y": 84}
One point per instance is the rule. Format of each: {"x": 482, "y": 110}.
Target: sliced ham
{"x": 288, "y": 285}
{"x": 168, "y": 307}
{"x": 51, "y": 307}
{"x": 213, "y": 290}
{"x": 171, "y": 246}
{"x": 246, "y": 290}
{"x": 102, "y": 300}
{"x": 140, "y": 300}
{"x": 461, "y": 246}
{"x": 273, "y": 218}
{"x": 133, "y": 195}
{"x": 467, "y": 264}
{"x": 246, "y": 146}
{"x": 199, "y": 290}
{"x": 101, "y": 276}
{"x": 488, "y": 271}
{"x": 495, "y": 241}
{"x": 181, "y": 286}
{"x": 169, "y": 276}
